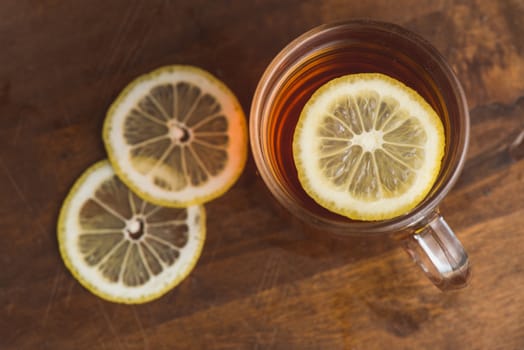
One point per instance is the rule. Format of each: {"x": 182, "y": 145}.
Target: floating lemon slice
{"x": 177, "y": 136}
{"x": 368, "y": 147}
{"x": 122, "y": 248}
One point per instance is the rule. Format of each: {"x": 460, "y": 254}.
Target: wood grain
{"x": 264, "y": 281}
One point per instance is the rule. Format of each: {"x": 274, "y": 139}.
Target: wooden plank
{"x": 264, "y": 281}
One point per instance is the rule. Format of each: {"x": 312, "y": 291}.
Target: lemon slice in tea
{"x": 368, "y": 147}
{"x": 121, "y": 247}
{"x": 177, "y": 136}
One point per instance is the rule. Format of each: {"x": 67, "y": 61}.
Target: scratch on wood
{"x": 69, "y": 292}
{"x": 118, "y": 38}
{"x": 269, "y": 278}
{"x": 516, "y": 149}
{"x": 40, "y": 229}
{"x": 127, "y": 20}
{"x": 142, "y": 331}
{"x": 133, "y": 52}
{"x": 109, "y": 323}
{"x": 18, "y": 129}
{"x": 17, "y": 189}
{"x": 265, "y": 300}
{"x": 58, "y": 276}
{"x": 215, "y": 248}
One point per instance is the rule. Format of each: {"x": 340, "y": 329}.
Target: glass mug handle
{"x": 438, "y": 252}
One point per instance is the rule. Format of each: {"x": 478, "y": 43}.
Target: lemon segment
{"x": 121, "y": 247}
{"x": 177, "y": 136}
{"x": 368, "y": 147}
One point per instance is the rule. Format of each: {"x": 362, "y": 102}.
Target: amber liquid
{"x": 388, "y": 55}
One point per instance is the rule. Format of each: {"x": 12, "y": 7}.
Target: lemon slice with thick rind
{"x": 177, "y": 136}
{"x": 121, "y": 247}
{"x": 368, "y": 147}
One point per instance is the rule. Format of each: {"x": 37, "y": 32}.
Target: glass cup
{"x": 337, "y": 49}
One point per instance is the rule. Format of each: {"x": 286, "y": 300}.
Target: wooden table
{"x": 262, "y": 282}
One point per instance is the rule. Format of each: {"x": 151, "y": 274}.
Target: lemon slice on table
{"x": 121, "y": 247}
{"x": 177, "y": 136}
{"x": 368, "y": 147}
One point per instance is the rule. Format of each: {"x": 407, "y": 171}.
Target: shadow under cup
{"x": 333, "y": 50}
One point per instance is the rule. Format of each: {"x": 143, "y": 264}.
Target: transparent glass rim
{"x": 264, "y": 91}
